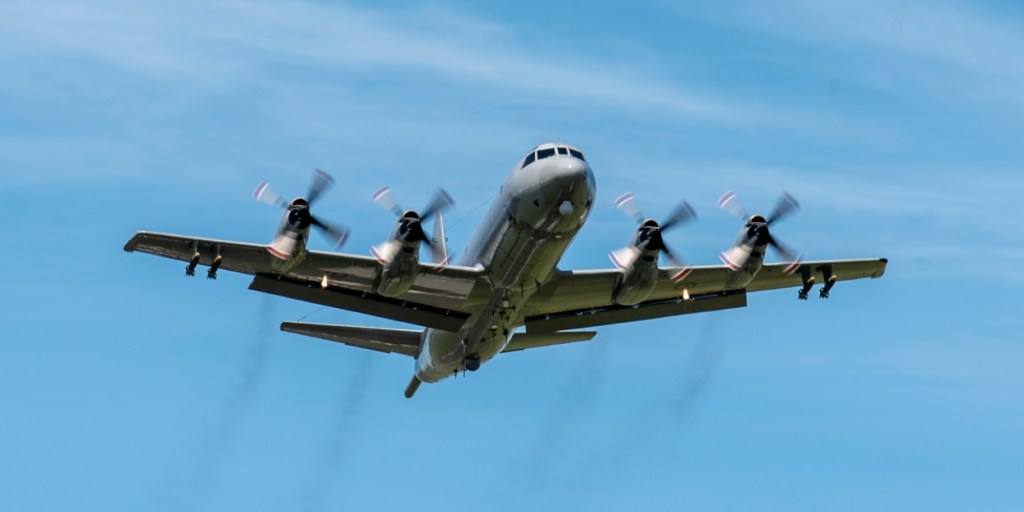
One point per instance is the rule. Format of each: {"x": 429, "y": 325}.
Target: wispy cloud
{"x": 213, "y": 45}
{"x": 944, "y": 46}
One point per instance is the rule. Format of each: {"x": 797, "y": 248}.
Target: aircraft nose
{"x": 573, "y": 173}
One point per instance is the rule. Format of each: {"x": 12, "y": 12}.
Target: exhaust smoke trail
{"x": 698, "y": 371}
{"x": 345, "y": 425}
{"x": 556, "y": 437}
{"x": 648, "y": 421}
{"x": 218, "y": 438}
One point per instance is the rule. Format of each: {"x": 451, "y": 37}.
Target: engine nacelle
{"x": 398, "y": 271}
{"x": 639, "y": 277}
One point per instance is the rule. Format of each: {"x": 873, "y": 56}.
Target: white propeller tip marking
{"x": 624, "y": 257}
{"x": 276, "y": 253}
{"x": 679, "y": 276}
{"x": 793, "y": 266}
{"x": 377, "y": 255}
{"x": 259, "y": 190}
{"x": 729, "y": 263}
{"x": 380, "y": 193}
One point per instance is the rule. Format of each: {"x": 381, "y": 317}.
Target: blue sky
{"x": 897, "y": 125}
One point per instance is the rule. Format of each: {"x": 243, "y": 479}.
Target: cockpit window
{"x": 529, "y": 159}
{"x": 544, "y": 153}
{"x": 576, "y": 154}
{"x": 563, "y": 150}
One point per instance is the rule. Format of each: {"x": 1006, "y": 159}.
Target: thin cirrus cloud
{"x": 218, "y": 44}
{"x": 914, "y": 41}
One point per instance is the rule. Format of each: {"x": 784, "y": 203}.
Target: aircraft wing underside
{"x": 437, "y": 298}
{"x": 577, "y": 299}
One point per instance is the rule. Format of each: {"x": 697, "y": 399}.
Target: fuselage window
{"x": 577, "y": 154}
{"x": 544, "y": 153}
{"x": 563, "y": 151}
{"x": 529, "y": 159}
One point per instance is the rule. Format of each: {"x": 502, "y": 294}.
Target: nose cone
{"x": 560, "y": 201}
{"x": 570, "y": 173}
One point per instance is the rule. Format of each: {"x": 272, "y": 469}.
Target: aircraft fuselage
{"x": 539, "y": 211}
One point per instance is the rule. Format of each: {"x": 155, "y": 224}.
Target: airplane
{"x": 506, "y": 293}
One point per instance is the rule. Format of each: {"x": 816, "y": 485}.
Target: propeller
{"x": 298, "y": 216}
{"x": 650, "y": 235}
{"x": 757, "y": 231}
{"x": 410, "y": 224}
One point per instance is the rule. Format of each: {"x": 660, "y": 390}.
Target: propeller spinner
{"x": 298, "y": 218}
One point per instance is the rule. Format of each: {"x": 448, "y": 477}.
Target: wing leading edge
{"x": 438, "y": 297}
{"x": 579, "y": 299}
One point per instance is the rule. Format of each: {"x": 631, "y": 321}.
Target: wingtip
{"x": 133, "y": 242}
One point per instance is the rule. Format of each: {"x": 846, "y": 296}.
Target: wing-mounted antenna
{"x": 439, "y": 242}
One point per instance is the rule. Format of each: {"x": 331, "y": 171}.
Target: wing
{"x": 438, "y": 297}
{"x": 579, "y": 299}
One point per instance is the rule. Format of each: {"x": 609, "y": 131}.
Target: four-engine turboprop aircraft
{"x": 507, "y": 278}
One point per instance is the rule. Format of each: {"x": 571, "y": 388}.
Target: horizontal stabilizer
{"x": 523, "y": 340}
{"x": 399, "y": 341}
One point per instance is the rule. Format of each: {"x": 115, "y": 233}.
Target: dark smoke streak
{"x": 680, "y": 401}
{"x": 216, "y": 441}
{"x": 698, "y": 371}
{"x": 559, "y": 433}
{"x": 332, "y": 458}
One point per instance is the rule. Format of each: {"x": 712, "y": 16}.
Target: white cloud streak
{"x": 948, "y": 47}
{"x": 213, "y": 44}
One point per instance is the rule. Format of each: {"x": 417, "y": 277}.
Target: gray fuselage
{"x": 538, "y": 212}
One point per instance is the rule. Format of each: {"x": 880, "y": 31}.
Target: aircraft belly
{"x": 522, "y": 260}
{"x": 524, "y": 235}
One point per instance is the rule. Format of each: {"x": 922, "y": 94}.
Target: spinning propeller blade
{"x": 756, "y": 232}
{"x": 683, "y": 214}
{"x": 265, "y": 194}
{"x": 440, "y": 202}
{"x": 298, "y": 217}
{"x": 627, "y": 204}
{"x": 411, "y": 224}
{"x": 336, "y": 235}
{"x": 385, "y": 198}
{"x": 730, "y": 203}
{"x": 783, "y": 208}
{"x": 651, "y": 232}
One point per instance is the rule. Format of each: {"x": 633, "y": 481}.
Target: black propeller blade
{"x": 320, "y": 183}
{"x": 783, "y": 208}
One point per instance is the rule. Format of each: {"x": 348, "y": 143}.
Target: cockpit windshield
{"x": 541, "y": 154}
